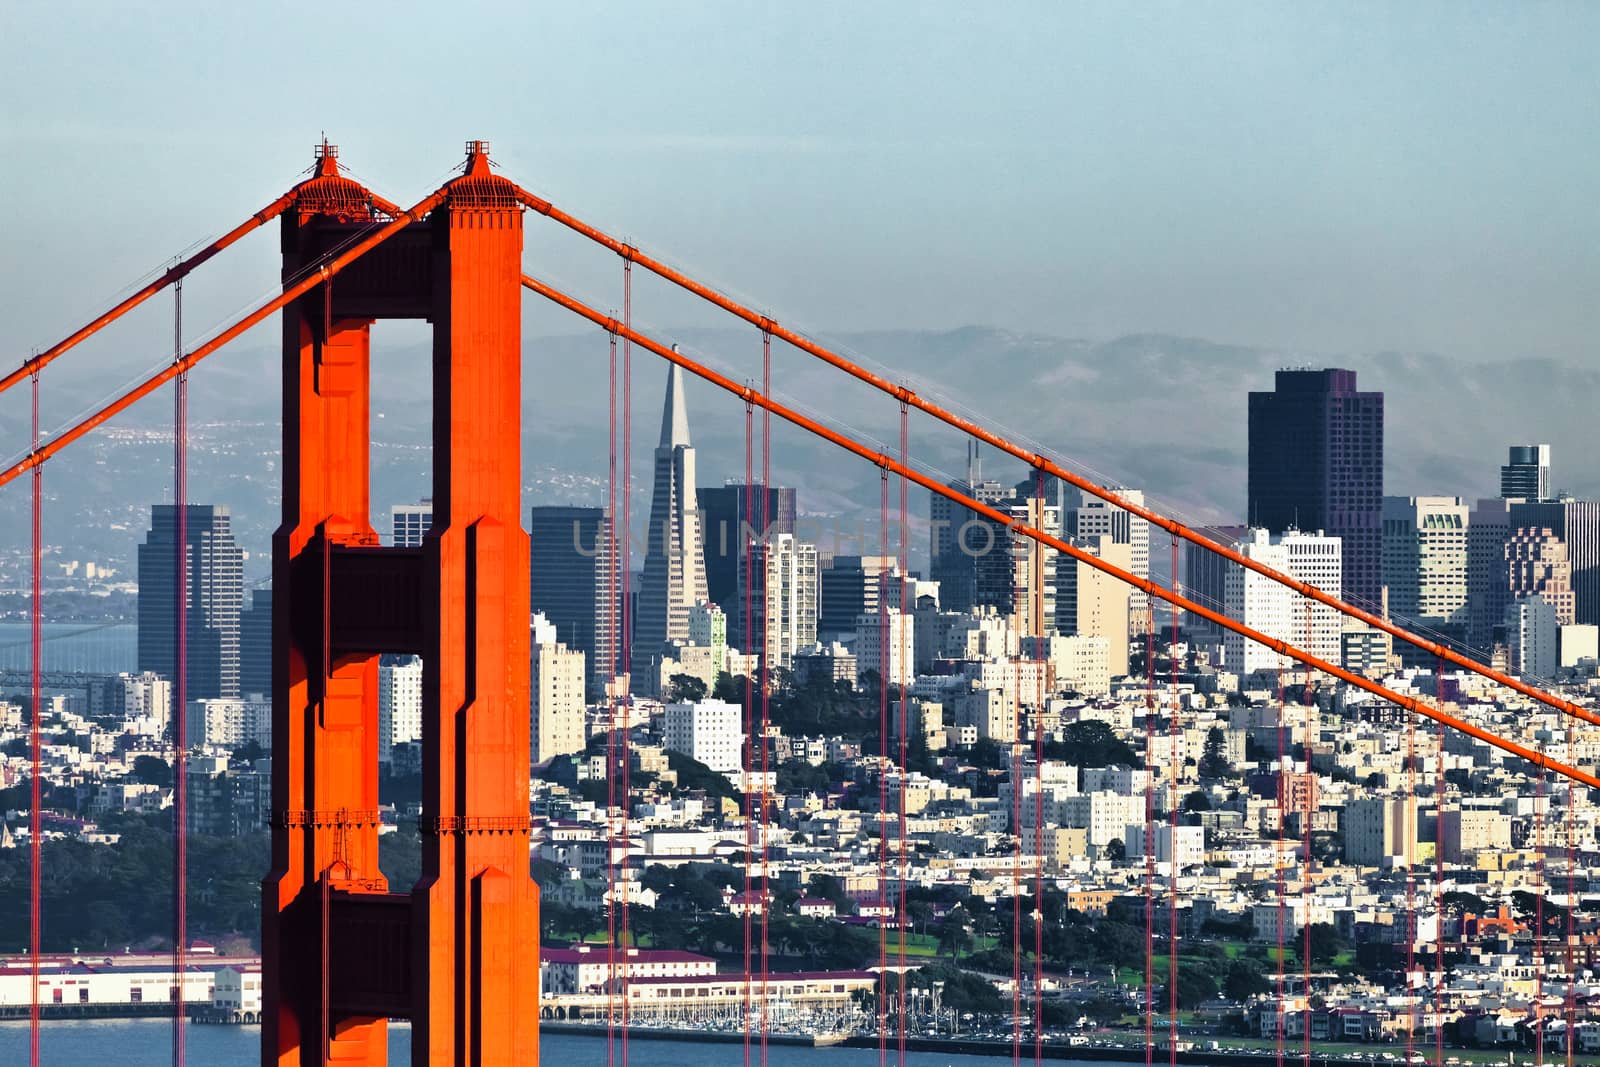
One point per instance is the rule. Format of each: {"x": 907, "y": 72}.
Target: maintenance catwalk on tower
{"x": 457, "y": 954}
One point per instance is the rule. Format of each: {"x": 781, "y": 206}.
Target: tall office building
{"x": 1033, "y": 568}
{"x": 1316, "y": 463}
{"x": 1277, "y": 611}
{"x": 1488, "y": 528}
{"x": 572, "y": 567}
{"x": 674, "y": 567}
{"x": 731, "y": 516}
{"x": 848, "y": 586}
{"x": 1526, "y": 474}
{"x": 556, "y": 695}
{"x": 1205, "y": 575}
{"x": 1532, "y": 637}
{"x": 1577, "y": 524}
{"x": 399, "y": 703}
{"x": 969, "y": 555}
{"x": 1537, "y": 565}
{"x": 1091, "y": 603}
{"x": 1425, "y": 546}
{"x": 783, "y": 600}
{"x": 255, "y": 645}
{"x": 409, "y": 523}
{"x": 214, "y": 571}
{"x": 1093, "y": 517}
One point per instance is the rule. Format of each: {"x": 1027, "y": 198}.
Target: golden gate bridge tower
{"x": 458, "y": 955}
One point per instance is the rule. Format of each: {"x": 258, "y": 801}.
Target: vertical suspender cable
{"x": 180, "y": 703}
{"x": 905, "y": 869}
{"x": 35, "y": 748}
{"x": 627, "y": 545}
{"x": 766, "y": 688}
{"x": 1568, "y": 1004}
{"x": 1412, "y": 986}
{"x": 1040, "y": 697}
{"x": 1279, "y": 866}
{"x": 750, "y": 716}
{"x": 613, "y": 701}
{"x": 885, "y": 663}
{"x": 1017, "y": 778}
{"x": 1536, "y": 948}
{"x": 1308, "y": 718}
{"x": 1439, "y": 883}
{"x": 1149, "y": 837}
{"x": 1176, "y": 734}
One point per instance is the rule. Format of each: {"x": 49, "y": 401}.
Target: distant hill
{"x": 1165, "y": 413}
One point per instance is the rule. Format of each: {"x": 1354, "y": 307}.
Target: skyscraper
{"x": 572, "y": 555}
{"x": 970, "y": 555}
{"x": 1526, "y": 474}
{"x": 1316, "y": 463}
{"x": 848, "y": 586}
{"x": 1275, "y": 610}
{"x": 410, "y": 522}
{"x": 1091, "y": 603}
{"x": 255, "y": 644}
{"x": 555, "y": 688}
{"x": 1425, "y": 544}
{"x": 215, "y": 583}
{"x": 1094, "y": 517}
{"x": 783, "y": 601}
{"x": 674, "y": 565}
{"x": 732, "y": 516}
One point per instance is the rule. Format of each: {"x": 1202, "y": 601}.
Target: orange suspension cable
{"x": 127, "y": 399}
{"x": 889, "y": 463}
{"x": 630, "y": 254}
{"x": 171, "y": 275}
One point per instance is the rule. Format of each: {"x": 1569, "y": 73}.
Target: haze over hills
{"x": 1165, "y": 413}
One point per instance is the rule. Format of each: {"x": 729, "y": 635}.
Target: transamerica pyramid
{"x": 674, "y": 562}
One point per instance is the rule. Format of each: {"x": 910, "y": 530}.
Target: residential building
{"x": 1091, "y": 603}
{"x": 708, "y": 731}
{"x": 399, "y": 702}
{"x": 886, "y": 645}
{"x": 1094, "y": 517}
{"x": 733, "y": 516}
{"x": 783, "y": 602}
{"x": 1425, "y": 563}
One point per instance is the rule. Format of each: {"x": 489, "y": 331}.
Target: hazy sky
{"x": 1319, "y": 178}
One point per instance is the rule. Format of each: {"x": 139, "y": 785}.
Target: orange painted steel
{"x": 343, "y": 952}
{"x": 133, "y": 300}
{"x": 1041, "y": 462}
{"x": 887, "y": 462}
{"x": 171, "y": 371}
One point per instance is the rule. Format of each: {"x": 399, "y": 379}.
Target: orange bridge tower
{"x": 457, "y": 953}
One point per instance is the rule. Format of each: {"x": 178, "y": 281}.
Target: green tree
{"x": 152, "y": 770}
{"x": 1214, "y": 757}
{"x": 685, "y": 689}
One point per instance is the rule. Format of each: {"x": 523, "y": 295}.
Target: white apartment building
{"x": 1380, "y": 832}
{"x": 1187, "y": 843}
{"x": 399, "y": 703}
{"x": 1106, "y": 816}
{"x": 707, "y": 731}
{"x": 227, "y": 722}
{"x": 556, "y": 695}
{"x": 1080, "y": 664}
{"x": 897, "y": 662}
{"x": 786, "y": 611}
{"x": 1277, "y": 611}
{"x": 708, "y": 628}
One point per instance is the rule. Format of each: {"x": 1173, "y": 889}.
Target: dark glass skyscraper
{"x": 215, "y": 583}
{"x": 1526, "y": 473}
{"x": 1316, "y": 463}
{"x": 255, "y": 644}
{"x": 724, "y": 524}
{"x": 571, "y": 564}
